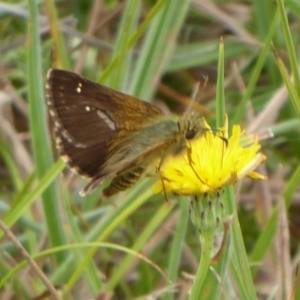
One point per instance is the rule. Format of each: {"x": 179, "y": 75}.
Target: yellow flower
{"x": 211, "y": 163}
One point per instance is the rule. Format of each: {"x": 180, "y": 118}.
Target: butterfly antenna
{"x": 196, "y": 96}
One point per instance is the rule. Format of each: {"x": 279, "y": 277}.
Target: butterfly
{"x": 103, "y": 134}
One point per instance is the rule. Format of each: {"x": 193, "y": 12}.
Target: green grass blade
{"x": 158, "y": 48}
{"x": 134, "y": 39}
{"x": 289, "y": 85}
{"x": 121, "y": 214}
{"x": 119, "y": 77}
{"x": 289, "y": 44}
{"x": 201, "y": 53}
{"x": 9, "y": 161}
{"x": 239, "y": 114}
{"x": 177, "y": 245}
{"x": 239, "y": 256}
{"x": 21, "y": 205}
{"x": 220, "y": 96}
{"x": 61, "y": 54}
{"x": 91, "y": 275}
{"x": 156, "y": 221}
{"x": 38, "y": 125}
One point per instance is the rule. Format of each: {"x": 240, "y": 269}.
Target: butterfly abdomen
{"x": 123, "y": 181}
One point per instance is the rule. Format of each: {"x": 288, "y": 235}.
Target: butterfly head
{"x": 192, "y": 126}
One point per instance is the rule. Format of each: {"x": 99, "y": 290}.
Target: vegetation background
{"x": 157, "y": 51}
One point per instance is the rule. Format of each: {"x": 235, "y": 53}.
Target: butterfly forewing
{"x": 83, "y": 160}
{"x": 90, "y": 118}
{"x": 89, "y": 112}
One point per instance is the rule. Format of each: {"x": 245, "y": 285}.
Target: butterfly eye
{"x": 190, "y": 133}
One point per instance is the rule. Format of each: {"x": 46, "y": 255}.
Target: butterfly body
{"x": 104, "y": 134}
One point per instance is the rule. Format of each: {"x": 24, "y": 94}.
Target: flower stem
{"x": 206, "y": 239}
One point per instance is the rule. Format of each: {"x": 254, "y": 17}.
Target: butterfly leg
{"x": 162, "y": 178}
{"x": 189, "y": 155}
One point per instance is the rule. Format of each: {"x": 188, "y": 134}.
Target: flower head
{"x": 212, "y": 162}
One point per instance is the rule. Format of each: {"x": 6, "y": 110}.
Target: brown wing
{"x": 84, "y": 161}
{"x": 88, "y": 116}
{"x": 89, "y": 113}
